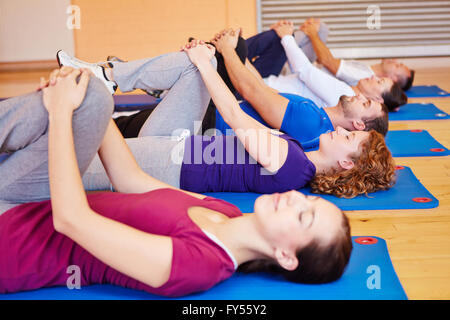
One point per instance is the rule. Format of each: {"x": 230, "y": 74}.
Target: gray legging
{"x": 159, "y": 148}
{"x": 24, "y": 136}
{"x": 24, "y": 127}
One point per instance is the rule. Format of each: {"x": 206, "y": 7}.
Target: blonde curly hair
{"x": 374, "y": 170}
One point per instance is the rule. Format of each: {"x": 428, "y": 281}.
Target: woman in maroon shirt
{"x": 307, "y": 239}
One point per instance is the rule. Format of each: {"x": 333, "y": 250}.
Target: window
{"x": 370, "y": 29}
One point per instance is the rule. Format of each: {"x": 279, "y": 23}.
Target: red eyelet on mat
{"x": 437, "y": 150}
{"x": 416, "y": 130}
{"x": 399, "y": 167}
{"x": 366, "y": 240}
{"x": 422, "y": 200}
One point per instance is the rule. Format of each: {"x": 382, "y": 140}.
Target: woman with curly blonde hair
{"x": 373, "y": 170}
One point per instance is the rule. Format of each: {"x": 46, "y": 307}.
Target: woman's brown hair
{"x": 318, "y": 262}
{"x": 374, "y": 170}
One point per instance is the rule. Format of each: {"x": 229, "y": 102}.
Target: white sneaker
{"x": 98, "y": 70}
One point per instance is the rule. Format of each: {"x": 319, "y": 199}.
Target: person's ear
{"x": 378, "y": 99}
{"x": 394, "y": 77}
{"x": 359, "y": 125}
{"x": 286, "y": 259}
{"x": 346, "y": 164}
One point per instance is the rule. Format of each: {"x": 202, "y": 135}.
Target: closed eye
{"x": 313, "y": 214}
{"x": 313, "y": 198}
{"x": 311, "y": 210}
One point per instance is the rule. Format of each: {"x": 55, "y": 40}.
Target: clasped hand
{"x": 199, "y": 52}
{"x": 62, "y": 92}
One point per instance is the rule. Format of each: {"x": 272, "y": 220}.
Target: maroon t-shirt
{"x": 33, "y": 255}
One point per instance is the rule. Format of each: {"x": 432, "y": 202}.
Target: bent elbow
{"x": 65, "y": 220}
{"x": 60, "y": 224}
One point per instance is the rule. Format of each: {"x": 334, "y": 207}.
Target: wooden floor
{"x": 418, "y": 240}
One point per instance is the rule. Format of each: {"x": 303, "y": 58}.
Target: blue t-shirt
{"x": 303, "y": 120}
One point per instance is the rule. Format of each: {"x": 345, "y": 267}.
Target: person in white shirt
{"x": 351, "y": 71}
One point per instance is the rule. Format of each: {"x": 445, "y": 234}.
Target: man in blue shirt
{"x": 311, "y": 120}
{"x": 297, "y": 116}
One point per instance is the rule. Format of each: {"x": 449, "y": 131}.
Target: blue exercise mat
{"x": 426, "y": 92}
{"x": 131, "y": 102}
{"x": 411, "y": 143}
{"x": 418, "y": 111}
{"x": 369, "y": 276}
{"x": 414, "y": 143}
{"x": 407, "y": 193}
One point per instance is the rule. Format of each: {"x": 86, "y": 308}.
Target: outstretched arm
{"x": 255, "y": 72}
{"x": 269, "y": 104}
{"x": 321, "y": 83}
{"x": 126, "y": 249}
{"x": 324, "y": 55}
{"x": 266, "y": 148}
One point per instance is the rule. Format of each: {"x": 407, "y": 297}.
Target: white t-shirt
{"x": 351, "y": 71}
{"x": 292, "y": 84}
{"x": 307, "y": 80}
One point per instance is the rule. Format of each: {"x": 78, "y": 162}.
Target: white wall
{"x": 33, "y": 30}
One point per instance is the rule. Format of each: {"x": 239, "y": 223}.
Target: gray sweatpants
{"x": 24, "y": 136}
{"x": 160, "y": 146}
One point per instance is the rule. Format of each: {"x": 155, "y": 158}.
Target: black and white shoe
{"x": 114, "y": 59}
{"x": 97, "y": 69}
{"x": 154, "y": 93}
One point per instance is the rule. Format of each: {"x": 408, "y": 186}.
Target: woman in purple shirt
{"x": 257, "y": 159}
{"x": 150, "y": 236}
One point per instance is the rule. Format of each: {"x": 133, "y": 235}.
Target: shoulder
{"x": 301, "y": 110}
{"x": 222, "y": 206}
{"x": 350, "y": 67}
{"x": 295, "y": 98}
{"x": 297, "y": 163}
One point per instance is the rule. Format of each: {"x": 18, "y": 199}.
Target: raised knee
{"x": 98, "y": 98}
{"x": 184, "y": 58}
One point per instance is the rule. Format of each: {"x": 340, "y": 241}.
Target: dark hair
{"x": 318, "y": 263}
{"x": 395, "y": 97}
{"x": 380, "y": 124}
{"x": 409, "y": 81}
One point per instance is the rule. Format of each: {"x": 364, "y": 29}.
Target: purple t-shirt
{"x": 33, "y": 255}
{"x": 221, "y": 164}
